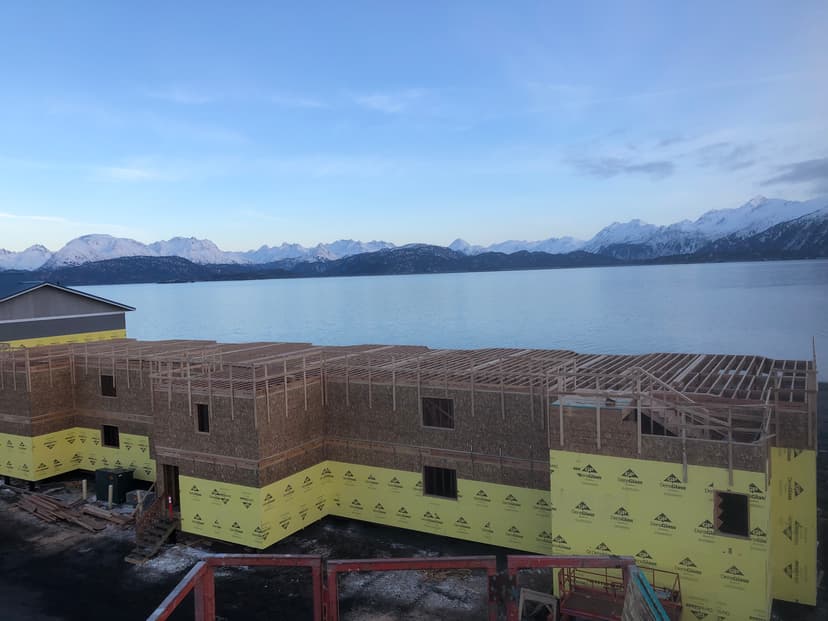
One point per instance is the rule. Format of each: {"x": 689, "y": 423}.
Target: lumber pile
{"x": 52, "y": 510}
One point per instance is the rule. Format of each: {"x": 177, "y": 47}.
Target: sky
{"x": 259, "y": 123}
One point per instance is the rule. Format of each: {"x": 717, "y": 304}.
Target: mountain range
{"x": 749, "y": 231}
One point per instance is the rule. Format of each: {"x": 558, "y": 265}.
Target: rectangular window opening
{"x": 108, "y": 386}
{"x": 440, "y": 482}
{"x": 203, "y": 416}
{"x": 438, "y": 412}
{"x": 110, "y": 436}
{"x": 732, "y": 513}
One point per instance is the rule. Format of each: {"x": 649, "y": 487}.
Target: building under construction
{"x": 700, "y": 465}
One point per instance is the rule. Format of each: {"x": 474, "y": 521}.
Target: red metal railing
{"x": 604, "y": 575}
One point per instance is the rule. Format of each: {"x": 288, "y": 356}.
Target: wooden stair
{"x": 150, "y": 540}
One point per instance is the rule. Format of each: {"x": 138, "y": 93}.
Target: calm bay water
{"x": 770, "y": 308}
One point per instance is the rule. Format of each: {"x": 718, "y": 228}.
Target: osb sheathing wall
{"x": 502, "y": 441}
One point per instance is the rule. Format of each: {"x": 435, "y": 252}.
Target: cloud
{"x": 813, "y": 171}
{"x": 130, "y": 174}
{"x": 727, "y": 156}
{"x": 607, "y": 167}
{"x": 14, "y": 216}
{"x": 390, "y": 102}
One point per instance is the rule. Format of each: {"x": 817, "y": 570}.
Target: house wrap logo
{"x": 662, "y": 522}
{"x": 687, "y": 566}
{"x": 432, "y": 518}
{"x": 303, "y": 513}
{"x": 699, "y": 611}
{"x": 105, "y": 461}
{"x": 50, "y": 444}
{"x": 792, "y": 531}
{"x": 395, "y": 483}
{"x": 349, "y": 476}
{"x": 70, "y": 438}
{"x": 268, "y": 500}
{"x": 288, "y": 492}
{"x": 92, "y": 459}
{"x": 262, "y": 532}
{"x": 758, "y": 535}
{"x": 792, "y": 571}
{"x": 487, "y": 528}
{"x": 561, "y": 543}
{"x": 582, "y": 510}
{"x": 216, "y": 525}
{"x": 756, "y": 493}
{"x": 307, "y": 483}
{"x": 371, "y": 480}
{"x": 222, "y": 497}
{"x": 705, "y": 528}
{"x": 320, "y": 505}
{"x": 246, "y": 500}
{"x": 462, "y": 523}
{"x": 403, "y": 513}
{"x": 198, "y": 520}
{"x": 285, "y": 522}
{"x": 379, "y": 509}
{"x": 709, "y": 488}
{"x": 793, "y": 489}
{"x": 621, "y": 516}
{"x": 9, "y": 465}
{"x": 76, "y": 459}
{"x": 56, "y": 463}
{"x": 645, "y": 558}
{"x": 543, "y": 506}
{"x": 326, "y": 474}
{"x": 629, "y": 478}
{"x": 588, "y": 474}
{"x": 236, "y": 528}
{"x": 482, "y": 496}
{"x": 514, "y": 533}
{"x": 9, "y": 444}
{"x": 41, "y": 467}
{"x": 601, "y": 548}
{"x": 672, "y": 483}
{"x": 734, "y": 575}
{"x": 545, "y": 537}
{"x": 510, "y": 502}
{"x": 356, "y": 505}
{"x": 128, "y": 445}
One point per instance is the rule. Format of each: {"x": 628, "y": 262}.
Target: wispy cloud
{"x": 607, "y": 167}
{"x": 130, "y": 174}
{"x": 728, "y": 156}
{"x": 391, "y": 102}
{"x": 33, "y": 218}
{"x": 814, "y": 172}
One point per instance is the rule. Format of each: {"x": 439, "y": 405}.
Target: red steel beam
{"x": 177, "y": 595}
{"x": 264, "y": 560}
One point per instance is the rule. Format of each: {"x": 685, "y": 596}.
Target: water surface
{"x": 769, "y": 308}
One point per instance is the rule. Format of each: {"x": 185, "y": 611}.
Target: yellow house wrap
{"x": 502, "y": 515}
{"x": 76, "y": 448}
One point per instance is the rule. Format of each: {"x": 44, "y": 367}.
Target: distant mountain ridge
{"x": 803, "y": 238}
{"x": 634, "y": 240}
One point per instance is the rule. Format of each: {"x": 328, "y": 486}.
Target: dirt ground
{"x": 51, "y": 572}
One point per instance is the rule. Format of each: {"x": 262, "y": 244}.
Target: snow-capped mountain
{"x": 636, "y": 240}
{"x": 96, "y": 248}
{"x": 196, "y": 250}
{"x": 633, "y": 240}
{"x": 553, "y": 245}
{"x": 29, "y": 259}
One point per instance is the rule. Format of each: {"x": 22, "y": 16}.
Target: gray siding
{"x": 50, "y": 302}
{"x": 19, "y": 330}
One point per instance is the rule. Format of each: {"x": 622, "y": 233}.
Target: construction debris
{"x": 50, "y": 509}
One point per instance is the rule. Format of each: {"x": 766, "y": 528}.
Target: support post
{"x": 204, "y": 594}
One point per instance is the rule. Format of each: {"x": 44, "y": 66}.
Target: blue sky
{"x": 252, "y": 123}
